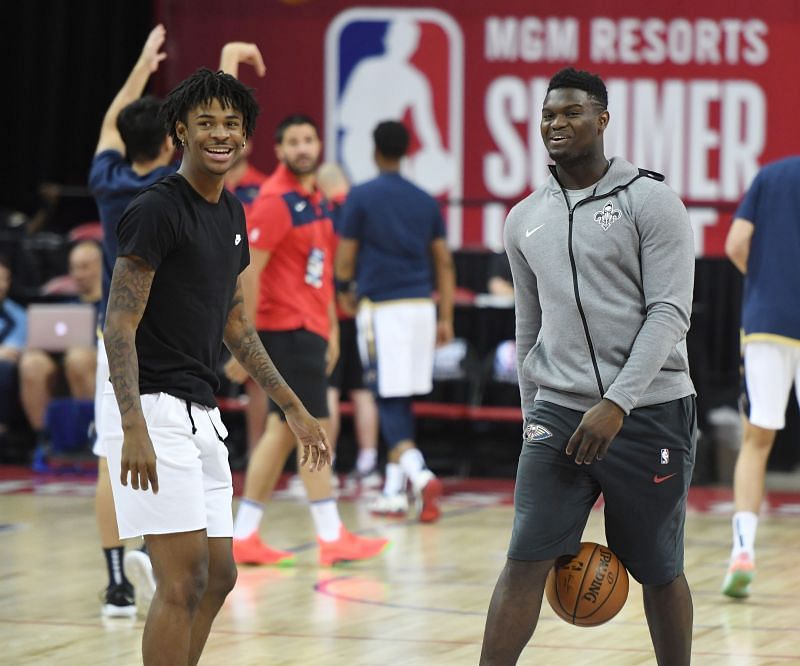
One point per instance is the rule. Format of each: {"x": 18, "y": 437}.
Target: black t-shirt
{"x": 499, "y": 266}
{"x": 197, "y": 249}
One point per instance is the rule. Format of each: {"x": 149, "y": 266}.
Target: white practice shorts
{"x": 195, "y": 488}
{"x": 396, "y": 341}
{"x": 769, "y": 370}
{"x": 100, "y": 379}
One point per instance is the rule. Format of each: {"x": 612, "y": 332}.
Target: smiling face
{"x": 572, "y": 125}
{"x": 299, "y": 149}
{"x": 212, "y": 137}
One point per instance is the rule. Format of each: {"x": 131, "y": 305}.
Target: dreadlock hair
{"x": 391, "y": 139}
{"x": 203, "y": 87}
{"x": 291, "y": 121}
{"x": 569, "y": 77}
{"x": 141, "y": 129}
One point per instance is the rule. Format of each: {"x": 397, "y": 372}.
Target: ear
{"x": 602, "y": 121}
{"x": 182, "y": 131}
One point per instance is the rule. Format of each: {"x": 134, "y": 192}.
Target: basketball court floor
{"x": 421, "y": 603}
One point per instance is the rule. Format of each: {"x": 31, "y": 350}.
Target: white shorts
{"x": 396, "y": 341}
{"x": 100, "y": 379}
{"x": 769, "y": 370}
{"x": 195, "y": 488}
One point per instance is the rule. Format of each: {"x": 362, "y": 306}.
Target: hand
{"x": 594, "y": 433}
{"x": 444, "y": 332}
{"x": 235, "y": 372}
{"x": 235, "y": 53}
{"x": 150, "y": 56}
{"x": 139, "y": 458}
{"x": 316, "y": 450}
{"x": 332, "y": 353}
{"x": 347, "y": 301}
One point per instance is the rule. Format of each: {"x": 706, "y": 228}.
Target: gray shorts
{"x": 644, "y": 479}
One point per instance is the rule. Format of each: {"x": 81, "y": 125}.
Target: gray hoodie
{"x": 603, "y": 292}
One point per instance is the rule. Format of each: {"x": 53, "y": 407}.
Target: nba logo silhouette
{"x": 398, "y": 64}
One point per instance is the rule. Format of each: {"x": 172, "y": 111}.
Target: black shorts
{"x": 299, "y": 356}
{"x": 644, "y": 479}
{"x": 348, "y": 375}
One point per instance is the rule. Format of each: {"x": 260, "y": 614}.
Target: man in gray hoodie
{"x": 603, "y": 266}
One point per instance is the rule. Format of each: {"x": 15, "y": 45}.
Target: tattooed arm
{"x": 243, "y": 342}
{"x": 130, "y": 289}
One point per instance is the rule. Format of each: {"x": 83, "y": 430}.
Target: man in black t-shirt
{"x": 175, "y": 298}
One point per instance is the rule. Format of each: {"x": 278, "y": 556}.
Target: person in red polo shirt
{"x": 289, "y": 284}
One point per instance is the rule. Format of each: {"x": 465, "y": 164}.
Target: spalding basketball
{"x": 588, "y": 589}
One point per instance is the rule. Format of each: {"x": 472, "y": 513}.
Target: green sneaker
{"x": 740, "y": 574}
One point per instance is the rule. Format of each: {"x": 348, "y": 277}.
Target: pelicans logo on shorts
{"x": 387, "y": 63}
{"x": 536, "y": 433}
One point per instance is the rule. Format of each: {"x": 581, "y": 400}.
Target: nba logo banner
{"x": 405, "y": 65}
{"x": 664, "y": 456}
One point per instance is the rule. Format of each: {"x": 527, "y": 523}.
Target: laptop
{"x": 57, "y": 327}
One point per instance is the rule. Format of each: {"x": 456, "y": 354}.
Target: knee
{"x": 81, "y": 361}
{"x": 185, "y": 590}
{"x": 35, "y": 365}
{"x": 222, "y": 580}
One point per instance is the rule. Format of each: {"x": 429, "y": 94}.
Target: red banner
{"x": 702, "y": 92}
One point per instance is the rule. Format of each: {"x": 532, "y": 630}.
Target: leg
{"x": 80, "y": 369}
{"x": 751, "y": 467}
{"x": 263, "y": 471}
{"x": 104, "y": 511}
{"x": 669, "y": 617}
{"x": 180, "y": 562}
{"x": 334, "y": 415}
{"x": 255, "y": 414}
{"x": 221, "y": 580}
{"x": 268, "y": 459}
{"x": 37, "y": 376}
{"x": 513, "y": 611}
{"x": 366, "y": 422}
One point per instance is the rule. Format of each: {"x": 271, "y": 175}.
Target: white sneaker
{"x": 427, "y": 493}
{"x": 139, "y": 571}
{"x": 389, "y": 505}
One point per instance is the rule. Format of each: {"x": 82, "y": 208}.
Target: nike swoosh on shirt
{"x": 530, "y": 232}
{"x": 661, "y": 479}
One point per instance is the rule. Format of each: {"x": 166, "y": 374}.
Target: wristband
{"x": 345, "y": 286}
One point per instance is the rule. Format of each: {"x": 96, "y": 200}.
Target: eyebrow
{"x": 211, "y": 115}
{"x": 567, "y": 107}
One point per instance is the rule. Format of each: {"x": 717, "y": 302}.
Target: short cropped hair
{"x": 570, "y": 77}
{"x": 391, "y": 139}
{"x": 142, "y": 129}
{"x": 201, "y": 88}
{"x": 292, "y": 121}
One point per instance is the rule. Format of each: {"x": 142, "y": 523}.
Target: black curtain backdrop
{"x": 66, "y": 61}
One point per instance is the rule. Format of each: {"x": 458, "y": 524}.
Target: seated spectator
{"x": 499, "y": 282}
{"x": 13, "y": 322}
{"x": 39, "y": 370}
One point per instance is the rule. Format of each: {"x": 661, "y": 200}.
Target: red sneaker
{"x": 427, "y": 492}
{"x": 349, "y": 548}
{"x": 254, "y": 551}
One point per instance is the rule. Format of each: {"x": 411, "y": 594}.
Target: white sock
{"x": 248, "y": 518}
{"x": 326, "y": 519}
{"x": 395, "y": 482}
{"x": 744, "y": 524}
{"x": 412, "y": 463}
{"x": 366, "y": 460}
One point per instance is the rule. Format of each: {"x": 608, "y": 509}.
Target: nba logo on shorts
{"x": 398, "y": 64}
{"x": 664, "y": 456}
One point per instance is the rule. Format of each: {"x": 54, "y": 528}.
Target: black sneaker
{"x": 118, "y": 601}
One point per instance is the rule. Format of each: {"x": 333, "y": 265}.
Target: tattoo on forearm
{"x": 130, "y": 289}
{"x": 243, "y": 342}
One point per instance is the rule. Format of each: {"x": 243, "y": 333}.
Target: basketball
{"x": 588, "y": 589}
